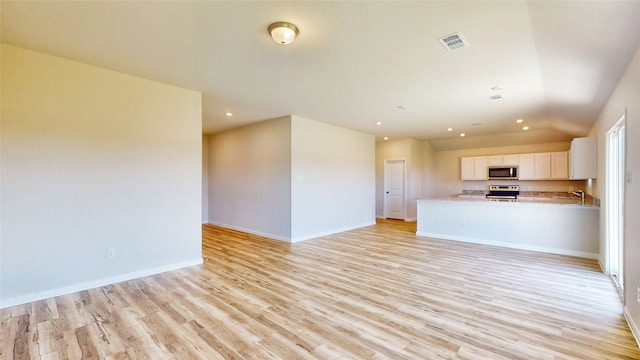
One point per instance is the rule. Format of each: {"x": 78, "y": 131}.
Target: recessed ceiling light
{"x": 386, "y": 138}
{"x": 450, "y": 129}
{"x": 496, "y": 88}
{"x": 378, "y": 122}
{"x": 525, "y": 128}
{"x": 463, "y": 134}
{"x": 519, "y": 121}
{"x": 228, "y": 113}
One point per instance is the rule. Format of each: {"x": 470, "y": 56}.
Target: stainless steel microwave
{"x": 502, "y": 172}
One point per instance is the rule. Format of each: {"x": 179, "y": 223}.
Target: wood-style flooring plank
{"x": 379, "y": 292}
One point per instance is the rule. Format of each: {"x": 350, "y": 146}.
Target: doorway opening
{"x": 615, "y": 177}
{"x": 394, "y": 189}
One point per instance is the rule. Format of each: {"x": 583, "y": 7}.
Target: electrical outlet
{"x": 111, "y": 253}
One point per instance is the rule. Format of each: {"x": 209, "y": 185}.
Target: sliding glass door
{"x": 615, "y": 173}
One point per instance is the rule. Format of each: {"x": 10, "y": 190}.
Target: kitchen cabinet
{"x": 526, "y": 167}
{"x": 502, "y": 160}
{"x": 542, "y": 166}
{"x": 510, "y": 160}
{"x": 494, "y": 160}
{"x": 536, "y": 166}
{"x": 473, "y": 168}
{"x": 560, "y": 165}
{"x": 583, "y": 158}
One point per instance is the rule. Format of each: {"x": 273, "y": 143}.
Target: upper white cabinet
{"x": 537, "y": 166}
{"x": 466, "y": 168}
{"x": 473, "y": 168}
{"x": 510, "y": 159}
{"x": 494, "y": 160}
{"x": 583, "y": 158}
{"x": 542, "y": 166}
{"x": 560, "y": 165}
{"x": 526, "y": 167}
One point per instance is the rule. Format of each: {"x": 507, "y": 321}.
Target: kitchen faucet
{"x": 579, "y": 193}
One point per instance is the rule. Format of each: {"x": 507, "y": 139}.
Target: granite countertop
{"x": 562, "y": 200}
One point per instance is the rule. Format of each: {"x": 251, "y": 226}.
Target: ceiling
{"x": 357, "y": 63}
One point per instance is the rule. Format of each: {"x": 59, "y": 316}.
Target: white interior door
{"x": 394, "y": 189}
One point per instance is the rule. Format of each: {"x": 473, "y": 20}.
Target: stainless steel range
{"x": 503, "y": 192}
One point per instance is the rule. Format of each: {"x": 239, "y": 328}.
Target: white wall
{"x": 447, "y": 169}
{"x": 411, "y": 151}
{"x": 626, "y": 96}
{"x": 93, "y": 159}
{"x": 333, "y": 179}
{"x": 205, "y": 179}
{"x": 250, "y": 178}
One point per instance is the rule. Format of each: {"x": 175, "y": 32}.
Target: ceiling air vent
{"x": 495, "y": 97}
{"x": 454, "y": 42}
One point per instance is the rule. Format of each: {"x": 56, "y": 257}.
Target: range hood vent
{"x": 454, "y": 42}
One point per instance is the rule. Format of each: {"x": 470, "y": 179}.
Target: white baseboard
{"x": 411, "y": 219}
{"x": 510, "y": 245}
{"x": 253, "y": 232}
{"x": 95, "y": 283}
{"x": 330, "y": 232}
{"x": 632, "y": 325}
{"x": 380, "y": 217}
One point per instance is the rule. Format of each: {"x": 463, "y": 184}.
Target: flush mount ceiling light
{"x": 519, "y": 121}
{"x": 283, "y": 32}
{"x": 228, "y": 113}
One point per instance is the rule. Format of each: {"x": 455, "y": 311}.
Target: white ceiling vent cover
{"x": 454, "y": 42}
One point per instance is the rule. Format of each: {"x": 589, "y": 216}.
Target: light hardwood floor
{"x": 377, "y": 292}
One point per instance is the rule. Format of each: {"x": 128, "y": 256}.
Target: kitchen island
{"x": 557, "y": 226}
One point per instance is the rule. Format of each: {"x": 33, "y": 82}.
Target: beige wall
{"x": 447, "y": 170}
{"x": 626, "y": 96}
{"x": 250, "y": 178}
{"x": 429, "y": 175}
{"x": 332, "y": 183}
{"x": 93, "y": 159}
{"x": 205, "y": 179}
{"x": 291, "y": 179}
{"x": 412, "y": 152}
